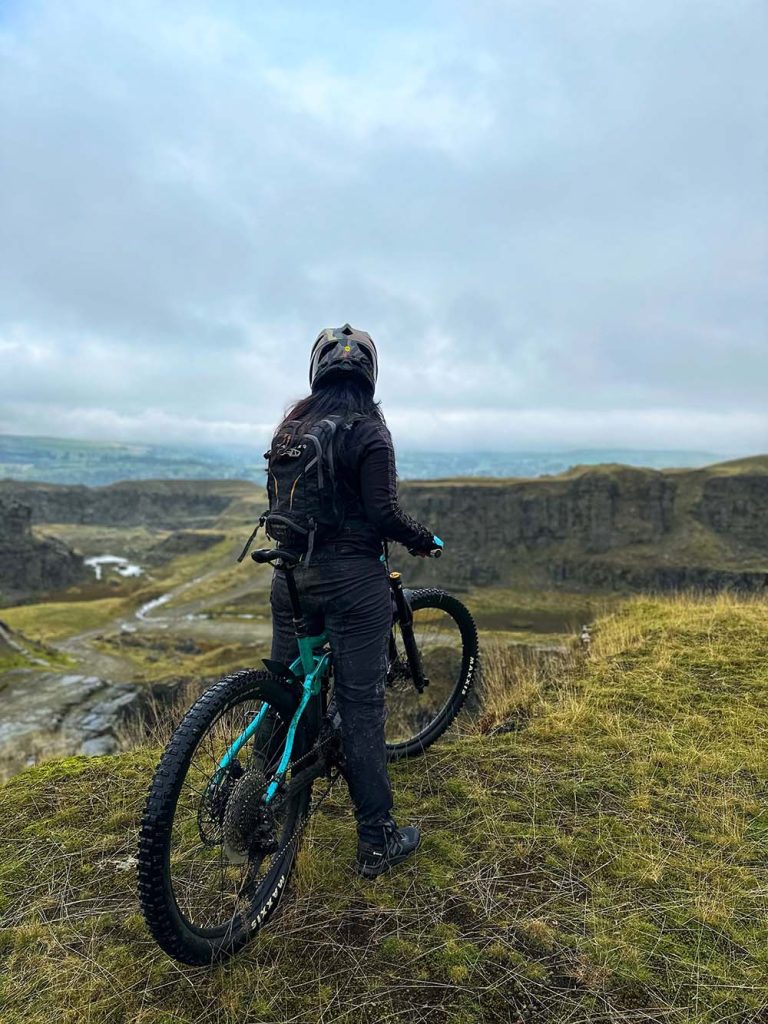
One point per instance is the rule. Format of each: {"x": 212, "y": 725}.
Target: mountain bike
{"x": 232, "y": 792}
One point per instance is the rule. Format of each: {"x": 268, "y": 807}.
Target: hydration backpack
{"x": 303, "y": 496}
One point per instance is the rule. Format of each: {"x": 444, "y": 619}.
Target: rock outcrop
{"x": 163, "y": 504}
{"x": 30, "y": 564}
{"x": 736, "y": 507}
{"x": 595, "y": 527}
{"x": 601, "y": 527}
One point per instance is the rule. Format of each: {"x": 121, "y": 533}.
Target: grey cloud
{"x": 553, "y": 211}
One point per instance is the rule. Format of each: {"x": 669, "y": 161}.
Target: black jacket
{"x": 367, "y": 480}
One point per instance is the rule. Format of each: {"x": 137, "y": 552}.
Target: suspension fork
{"x": 405, "y": 618}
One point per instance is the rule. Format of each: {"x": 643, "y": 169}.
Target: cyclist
{"x": 344, "y": 586}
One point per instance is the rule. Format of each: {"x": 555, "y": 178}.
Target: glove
{"x": 434, "y": 552}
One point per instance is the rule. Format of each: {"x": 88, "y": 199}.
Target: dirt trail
{"x": 46, "y": 711}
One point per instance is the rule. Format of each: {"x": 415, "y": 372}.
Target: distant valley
{"x": 61, "y": 460}
{"x": 594, "y": 528}
{"x": 113, "y": 597}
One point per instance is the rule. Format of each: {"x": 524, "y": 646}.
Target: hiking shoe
{"x": 397, "y": 845}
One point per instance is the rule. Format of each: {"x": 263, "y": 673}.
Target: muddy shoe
{"x": 396, "y": 846}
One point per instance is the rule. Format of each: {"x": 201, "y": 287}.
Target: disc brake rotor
{"x": 210, "y": 812}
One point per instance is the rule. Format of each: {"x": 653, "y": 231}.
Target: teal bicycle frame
{"x": 314, "y": 662}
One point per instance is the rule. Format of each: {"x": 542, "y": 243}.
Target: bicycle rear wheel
{"x": 214, "y": 859}
{"x": 446, "y": 636}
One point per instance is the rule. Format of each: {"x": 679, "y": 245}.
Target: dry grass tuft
{"x": 514, "y": 679}
{"x": 161, "y": 711}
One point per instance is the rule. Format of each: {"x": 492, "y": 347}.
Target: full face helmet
{"x": 342, "y": 351}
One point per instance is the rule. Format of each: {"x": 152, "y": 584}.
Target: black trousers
{"x": 348, "y": 596}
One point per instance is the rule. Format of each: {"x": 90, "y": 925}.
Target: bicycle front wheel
{"x": 446, "y": 636}
{"x": 214, "y": 856}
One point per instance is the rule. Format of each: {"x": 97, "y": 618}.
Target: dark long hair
{"x": 336, "y": 397}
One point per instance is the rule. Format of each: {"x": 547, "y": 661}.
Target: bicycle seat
{"x": 288, "y": 559}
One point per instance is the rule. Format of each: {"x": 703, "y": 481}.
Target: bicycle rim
{"x": 413, "y": 717}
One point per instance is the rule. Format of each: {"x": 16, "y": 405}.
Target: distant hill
{"x": 609, "y": 527}
{"x": 60, "y": 460}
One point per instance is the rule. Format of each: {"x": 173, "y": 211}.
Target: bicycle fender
{"x": 277, "y": 668}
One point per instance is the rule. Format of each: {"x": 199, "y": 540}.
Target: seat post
{"x": 293, "y": 593}
{"x": 285, "y": 561}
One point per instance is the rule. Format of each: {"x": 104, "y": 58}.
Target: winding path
{"x": 45, "y": 711}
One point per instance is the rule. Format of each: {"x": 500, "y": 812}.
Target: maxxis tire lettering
{"x": 164, "y": 919}
{"x": 429, "y": 597}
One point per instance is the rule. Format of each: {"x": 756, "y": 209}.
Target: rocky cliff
{"x": 735, "y": 507}
{"x": 595, "y": 527}
{"x": 164, "y": 504}
{"x": 28, "y": 563}
{"x": 602, "y": 527}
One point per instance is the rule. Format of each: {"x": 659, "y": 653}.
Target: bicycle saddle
{"x": 288, "y": 559}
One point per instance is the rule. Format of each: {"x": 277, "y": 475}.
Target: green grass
{"x": 10, "y": 659}
{"x": 606, "y": 862}
{"x": 57, "y": 620}
{"x": 31, "y": 655}
{"x": 164, "y": 656}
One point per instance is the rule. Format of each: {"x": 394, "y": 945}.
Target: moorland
{"x": 596, "y": 838}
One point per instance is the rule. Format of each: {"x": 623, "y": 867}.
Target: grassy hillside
{"x": 18, "y": 651}
{"x": 596, "y": 852}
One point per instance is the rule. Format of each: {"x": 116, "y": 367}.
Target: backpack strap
{"x": 252, "y": 538}
{"x": 318, "y": 459}
{"x": 310, "y": 543}
{"x": 333, "y": 424}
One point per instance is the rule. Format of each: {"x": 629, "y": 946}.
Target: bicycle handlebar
{"x": 291, "y": 560}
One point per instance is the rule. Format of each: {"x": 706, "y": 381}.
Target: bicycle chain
{"x": 333, "y": 778}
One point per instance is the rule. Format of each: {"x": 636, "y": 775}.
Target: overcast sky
{"x": 551, "y": 215}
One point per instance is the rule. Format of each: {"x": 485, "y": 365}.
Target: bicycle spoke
{"x": 210, "y": 889}
{"x": 410, "y": 713}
